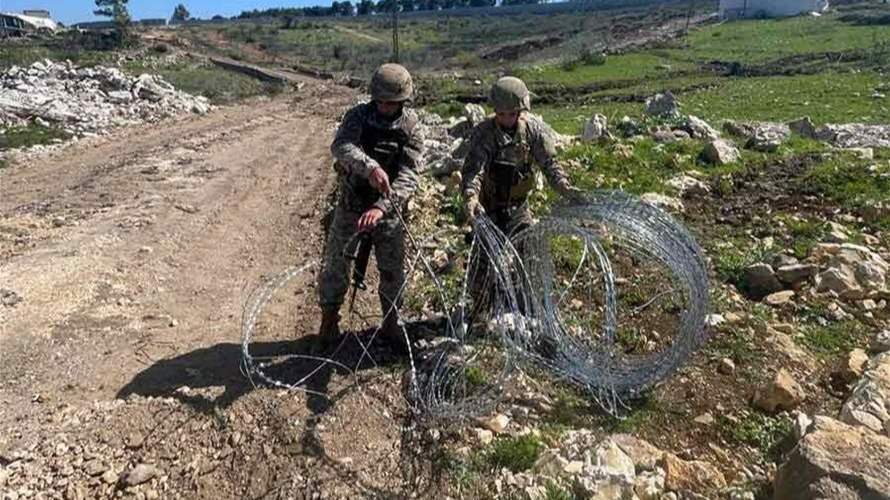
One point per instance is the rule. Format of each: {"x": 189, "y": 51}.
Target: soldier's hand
{"x": 369, "y": 219}
{"x": 474, "y": 208}
{"x": 379, "y": 180}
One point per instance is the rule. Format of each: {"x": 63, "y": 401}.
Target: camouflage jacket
{"x": 366, "y": 141}
{"x": 498, "y": 168}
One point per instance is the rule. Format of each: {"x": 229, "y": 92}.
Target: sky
{"x": 72, "y": 11}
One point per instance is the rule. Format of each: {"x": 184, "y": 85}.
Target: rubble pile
{"x": 86, "y": 101}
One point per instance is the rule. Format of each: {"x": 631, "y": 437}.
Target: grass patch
{"x": 31, "y": 135}
{"x": 767, "y": 434}
{"x": 833, "y": 338}
{"x": 851, "y": 182}
{"x": 641, "y": 168}
{"x": 514, "y": 453}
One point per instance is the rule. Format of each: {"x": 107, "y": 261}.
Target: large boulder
{"x": 835, "y": 461}
{"x": 781, "y": 393}
{"x": 760, "y": 136}
{"x": 663, "y": 106}
{"x": 596, "y": 129}
{"x": 759, "y": 280}
{"x": 721, "y": 152}
{"x": 700, "y": 129}
{"x": 852, "y": 271}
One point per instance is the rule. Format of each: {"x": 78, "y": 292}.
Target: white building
{"x": 12, "y": 23}
{"x": 739, "y": 9}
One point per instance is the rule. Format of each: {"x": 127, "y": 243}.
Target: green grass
{"x": 623, "y": 67}
{"x": 851, "y": 182}
{"x": 767, "y": 434}
{"x": 31, "y": 135}
{"x": 759, "y": 41}
{"x": 830, "y": 97}
{"x": 219, "y": 85}
{"x": 833, "y": 338}
{"x": 514, "y": 453}
{"x": 642, "y": 169}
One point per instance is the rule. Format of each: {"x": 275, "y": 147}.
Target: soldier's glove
{"x": 474, "y": 208}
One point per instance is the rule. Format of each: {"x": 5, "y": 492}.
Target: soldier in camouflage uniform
{"x": 377, "y": 152}
{"x": 498, "y": 172}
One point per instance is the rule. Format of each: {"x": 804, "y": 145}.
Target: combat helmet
{"x": 510, "y": 94}
{"x": 392, "y": 82}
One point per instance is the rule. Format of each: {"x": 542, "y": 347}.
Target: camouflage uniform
{"x": 364, "y": 141}
{"x": 498, "y": 170}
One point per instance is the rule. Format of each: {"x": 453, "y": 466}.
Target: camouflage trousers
{"x": 511, "y": 221}
{"x": 388, "y": 239}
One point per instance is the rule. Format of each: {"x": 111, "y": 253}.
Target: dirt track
{"x": 133, "y": 256}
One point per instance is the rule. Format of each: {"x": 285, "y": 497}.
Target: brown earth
{"x": 133, "y": 256}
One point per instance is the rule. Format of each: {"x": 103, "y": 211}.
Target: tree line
{"x": 366, "y": 7}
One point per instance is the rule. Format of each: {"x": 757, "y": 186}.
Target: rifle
{"x": 361, "y": 255}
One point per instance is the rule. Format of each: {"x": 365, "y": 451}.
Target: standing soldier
{"x": 377, "y": 153}
{"x": 497, "y": 174}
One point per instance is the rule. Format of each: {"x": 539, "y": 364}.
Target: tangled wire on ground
{"x": 519, "y": 305}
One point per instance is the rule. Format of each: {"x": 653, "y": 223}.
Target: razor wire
{"x": 510, "y": 310}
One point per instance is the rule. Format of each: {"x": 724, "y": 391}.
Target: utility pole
{"x": 689, "y": 16}
{"x": 395, "y": 32}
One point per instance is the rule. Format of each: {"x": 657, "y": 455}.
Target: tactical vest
{"x": 385, "y": 146}
{"x": 510, "y": 174}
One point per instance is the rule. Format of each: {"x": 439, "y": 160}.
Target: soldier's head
{"x": 391, "y": 87}
{"x": 509, "y": 97}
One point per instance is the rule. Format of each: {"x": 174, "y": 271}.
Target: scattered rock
{"x": 140, "y": 474}
{"x": 835, "y": 460}
{"x": 759, "y": 280}
{"x": 663, "y": 201}
{"x": 852, "y": 271}
{"x": 862, "y": 153}
{"x": 869, "y": 402}
{"x": 663, "y": 105}
{"x": 761, "y": 136}
{"x": 84, "y": 101}
{"x": 483, "y": 436}
{"x": 855, "y": 135}
{"x": 852, "y": 366}
{"x": 704, "y": 419}
{"x": 596, "y": 129}
{"x": 721, "y": 152}
{"x": 496, "y": 424}
{"x": 644, "y": 455}
{"x": 690, "y": 476}
{"x": 779, "y": 299}
{"x": 9, "y": 298}
{"x": 782, "y": 393}
{"x": 613, "y": 461}
{"x": 700, "y": 129}
{"x": 474, "y": 113}
{"x": 804, "y": 127}
{"x": 837, "y": 233}
{"x": 802, "y": 424}
{"x": 649, "y": 485}
{"x": 689, "y": 186}
{"x": 795, "y": 274}
{"x": 726, "y": 366}
{"x": 881, "y": 342}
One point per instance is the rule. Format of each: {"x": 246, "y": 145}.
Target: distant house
{"x": 747, "y": 9}
{"x": 37, "y": 13}
{"x": 15, "y": 24}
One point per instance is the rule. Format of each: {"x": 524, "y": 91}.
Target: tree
{"x": 365, "y": 7}
{"x": 180, "y": 14}
{"x": 482, "y": 3}
{"x": 117, "y": 11}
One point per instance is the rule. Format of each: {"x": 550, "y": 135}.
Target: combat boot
{"x": 392, "y": 334}
{"x": 330, "y": 324}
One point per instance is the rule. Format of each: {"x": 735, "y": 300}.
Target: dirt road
{"x": 126, "y": 262}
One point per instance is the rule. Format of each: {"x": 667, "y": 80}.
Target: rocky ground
{"x": 127, "y": 260}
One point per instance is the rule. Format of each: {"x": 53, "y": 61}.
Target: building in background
{"x": 759, "y": 9}
{"x": 15, "y": 24}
